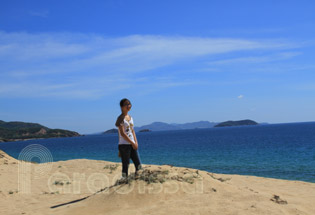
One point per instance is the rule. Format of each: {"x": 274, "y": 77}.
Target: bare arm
{"x": 134, "y": 136}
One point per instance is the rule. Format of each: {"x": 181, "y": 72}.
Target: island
{"x": 236, "y": 123}
{"x": 16, "y": 130}
{"x": 115, "y": 130}
{"x": 144, "y": 130}
{"x": 111, "y": 131}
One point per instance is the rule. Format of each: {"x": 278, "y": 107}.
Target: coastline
{"x": 172, "y": 190}
{"x": 35, "y": 138}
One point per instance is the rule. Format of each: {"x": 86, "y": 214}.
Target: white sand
{"x": 183, "y": 191}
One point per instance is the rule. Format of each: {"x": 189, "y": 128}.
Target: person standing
{"x": 128, "y": 144}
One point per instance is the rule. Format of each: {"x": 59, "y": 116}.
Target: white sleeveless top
{"x": 128, "y": 126}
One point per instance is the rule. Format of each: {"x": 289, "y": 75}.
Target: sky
{"x": 67, "y": 64}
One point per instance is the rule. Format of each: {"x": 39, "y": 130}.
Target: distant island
{"x": 163, "y": 126}
{"x": 16, "y": 130}
{"x": 111, "y": 131}
{"x": 115, "y": 130}
{"x": 236, "y": 123}
{"x": 145, "y": 130}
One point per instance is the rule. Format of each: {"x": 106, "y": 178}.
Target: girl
{"x": 128, "y": 143}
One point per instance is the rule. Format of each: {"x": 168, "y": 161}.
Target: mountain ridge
{"x": 163, "y": 126}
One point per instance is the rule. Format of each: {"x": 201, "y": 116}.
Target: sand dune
{"x": 83, "y": 186}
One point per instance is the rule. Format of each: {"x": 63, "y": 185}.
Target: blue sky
{"x": 67, "y": 64}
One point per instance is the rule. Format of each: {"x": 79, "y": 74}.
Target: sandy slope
{"x": 175, "y": 190}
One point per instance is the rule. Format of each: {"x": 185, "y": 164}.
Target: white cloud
{"x": 240, "y": 96}
{"x": 259, "y": 59}
{"x": 77, "y": 65}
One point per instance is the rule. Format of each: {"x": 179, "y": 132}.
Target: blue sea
{"x": 284, "y": 151}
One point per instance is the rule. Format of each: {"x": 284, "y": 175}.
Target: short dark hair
{"x": 122, "y": 102}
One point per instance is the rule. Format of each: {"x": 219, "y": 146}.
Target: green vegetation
{"x": 189, "y": 179}
{"x": 57, "y": 182}
{"x": 112, "y": 167}
{"x": 149, "y": 176}
{"x": 10, "y": 131}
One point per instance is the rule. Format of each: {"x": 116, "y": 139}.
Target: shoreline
{"x": 36, "y": 138}
{"x": 73, "y": 159}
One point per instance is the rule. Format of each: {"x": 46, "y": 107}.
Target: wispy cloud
{"x": 74, "y": 65}
{"x": 259, "y": 59}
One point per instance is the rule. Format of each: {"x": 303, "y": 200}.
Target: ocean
{"x": 283, "y": 151}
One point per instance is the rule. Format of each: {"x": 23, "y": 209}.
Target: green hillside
{"x": 11, "y": 131}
